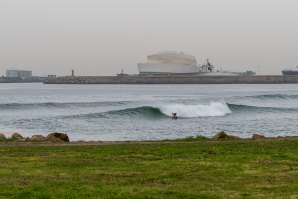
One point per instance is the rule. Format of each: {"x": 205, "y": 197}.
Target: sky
{"x": 102, "y": 37}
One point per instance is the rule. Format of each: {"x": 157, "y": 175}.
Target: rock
{"x": 17, "y": 136}
{"x": 57, "y": 137}
{"x": 38, "y": 138}
{"x": 2, "y": 136}
{"x": 257, "y": 137}
{"x": 221, "y": 135}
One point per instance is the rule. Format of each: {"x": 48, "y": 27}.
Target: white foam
{"x": 209, "y": 110}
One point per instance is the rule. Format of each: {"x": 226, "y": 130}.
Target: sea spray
{"x": 209, "y": 110}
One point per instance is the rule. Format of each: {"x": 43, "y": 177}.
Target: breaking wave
{"x": 139, "y": 111}
{"x": 209, "y": 110}
{"x": 213, "y": 109}
{"x": 185, "y": 111}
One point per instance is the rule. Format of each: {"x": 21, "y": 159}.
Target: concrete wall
{"x": 151, "y": 68}
{"x": 172, "y": 79}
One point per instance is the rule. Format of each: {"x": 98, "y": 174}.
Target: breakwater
{"x": 175, "y": 79}
{"x": 17, "y": 80}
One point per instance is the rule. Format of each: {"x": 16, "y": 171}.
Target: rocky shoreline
{"x": 61, "y": 138}
{"x": 52, "y": 137}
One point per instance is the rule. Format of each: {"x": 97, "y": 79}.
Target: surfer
{"x": 174, "y": 115}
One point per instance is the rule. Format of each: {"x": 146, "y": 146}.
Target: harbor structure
{"x": 19, "y": 74}
{"x": 50, "y": 77}
{"x": 179, "y": 63}
{"x": 176, "y": 79}
{"x": 170, "y": 62}
{"x": 290, "y": 71}
{"x": 23, "y": 76}
{"x": 177, "y": 68}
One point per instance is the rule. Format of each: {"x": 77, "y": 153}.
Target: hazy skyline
{"x": 102, "y": 37}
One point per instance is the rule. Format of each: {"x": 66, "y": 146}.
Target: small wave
{"x": 241, "y": 108}
{"x": 20, "y": 106}
{"x": 84, "y": 116}
{"x": 274, "y": 96}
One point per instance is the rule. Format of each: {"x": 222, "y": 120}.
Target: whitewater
{"x": 143, "y": 112}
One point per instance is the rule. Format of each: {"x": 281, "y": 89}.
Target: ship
{"x": 170, "y": 62}
{"x": 290, "y": 71}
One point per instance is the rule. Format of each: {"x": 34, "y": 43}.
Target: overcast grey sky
{"x": 100, "y": 37}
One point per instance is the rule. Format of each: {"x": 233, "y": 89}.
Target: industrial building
{"x": 169, "y": 63}
{"x": 20, "y": 74}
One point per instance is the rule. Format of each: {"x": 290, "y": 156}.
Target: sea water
{"x": 143, "y": 112}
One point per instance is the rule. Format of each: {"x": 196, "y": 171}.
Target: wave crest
{"x": 209, "y": 110}
{"x": 138, "y": 111}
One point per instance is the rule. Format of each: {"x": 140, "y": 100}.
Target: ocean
{"x": 143, "y": 112}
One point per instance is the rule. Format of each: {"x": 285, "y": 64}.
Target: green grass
{"x": 191, "y": 138}
{"x": 178, "y": 169}
{"x": 8, "y": 140}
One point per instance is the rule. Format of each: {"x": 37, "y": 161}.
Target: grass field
{"x": 167, "y": 169}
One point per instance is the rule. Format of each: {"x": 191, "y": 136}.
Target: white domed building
{"x": 169, "y": 63}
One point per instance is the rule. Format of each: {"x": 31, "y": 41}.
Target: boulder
{"x": 17, "y": 136}
{"x": 257, "y": 137}
{"x": 221, "y": 135}
{"x": 38, "y": 138}
{"x": 2, "y": 137}
{"x": 57, "y": 137}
